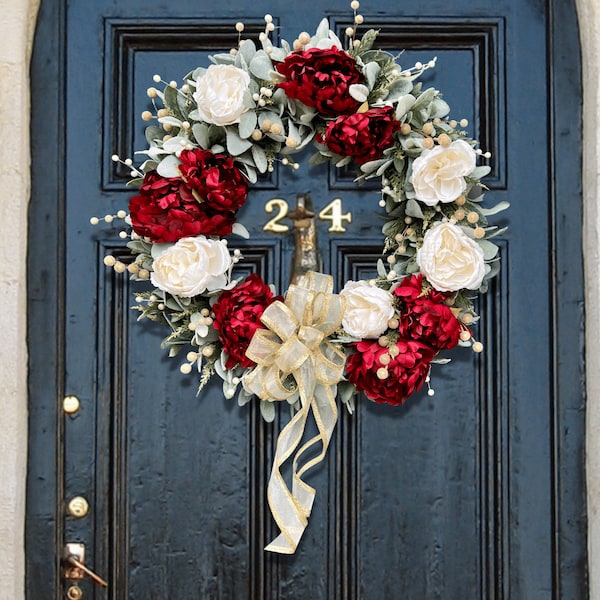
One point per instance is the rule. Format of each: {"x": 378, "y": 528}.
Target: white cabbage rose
{"x": 450, "y": 259}
{"x": 438, "y": 175}
{"x": 368, "y": 309}
{"x": 220, "y": 94}
{"x": 190, "y": 266}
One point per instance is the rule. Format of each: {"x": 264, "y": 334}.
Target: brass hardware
{"x": 306, "y": 251}
{"x": 333, "y": 212}
{"x": 273, "y": 225}
{"x": 78, "y": 507}
{"x": 74, "y": 592}
{"x": 71, "y": 404}
{"x": 74, "y": 555}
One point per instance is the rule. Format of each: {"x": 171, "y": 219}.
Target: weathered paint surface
{"x": 439, "y": 432}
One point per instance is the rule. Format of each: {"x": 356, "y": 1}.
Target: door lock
{"x": 78, "y": 507}
{"x": 74, "y": 593}
{"x": 73, "y": 559}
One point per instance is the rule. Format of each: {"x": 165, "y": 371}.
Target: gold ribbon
{"x": 293, "y": 354}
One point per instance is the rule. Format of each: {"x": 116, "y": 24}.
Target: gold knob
{"x": 71, "y": 404}
{"x": 78, "y": 507}
{"x": 74, "y": 592}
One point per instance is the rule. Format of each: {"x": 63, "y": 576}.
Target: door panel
{"x": 449, "y": 496}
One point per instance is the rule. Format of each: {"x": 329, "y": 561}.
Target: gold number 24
{"x": 332, "y": 212}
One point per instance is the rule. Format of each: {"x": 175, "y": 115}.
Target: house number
{"x": 281, "y": 206}
{"x": 332, "y": 212}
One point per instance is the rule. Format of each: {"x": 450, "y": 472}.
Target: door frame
{"x": 46, "y": 277}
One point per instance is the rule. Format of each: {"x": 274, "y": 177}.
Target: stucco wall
{"x": 16, "y": 33}
{"x": 589, "y": 23}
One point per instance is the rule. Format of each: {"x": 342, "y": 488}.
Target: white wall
{"x": 16, "y": 33}
{"x": 589, "y": 24}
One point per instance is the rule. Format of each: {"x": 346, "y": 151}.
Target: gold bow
{"x": 294, "y": 354}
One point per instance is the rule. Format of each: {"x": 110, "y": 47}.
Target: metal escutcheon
{"x": 78, "y": 507}
{"x": 74, "y": 592}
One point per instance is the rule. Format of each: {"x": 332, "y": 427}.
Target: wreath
{"x": 231, "y": 122}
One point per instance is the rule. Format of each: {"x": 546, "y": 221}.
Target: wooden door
{"x": 476, "y": 492}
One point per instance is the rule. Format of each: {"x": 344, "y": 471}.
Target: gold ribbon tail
{"x": 289, "y": 511}
{"x": 293, "y": 355}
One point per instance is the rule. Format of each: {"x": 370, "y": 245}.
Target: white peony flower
{"x": 368, "y": 309}
{"x": 438, "y": 174}
{"x": 191, "y": 266}
{"x": 450, "y": 259}
{"x": 220, "y": 94}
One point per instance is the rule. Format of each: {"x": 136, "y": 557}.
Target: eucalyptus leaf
{"x": 238, "y": 229}
{"x": 405, "y": 103}
{"x": 250, "y": 173}
{"x": 382, "y": 168}
{"x": 222, "y": 59}
{"x": 479, "y": 172}
{"x": 346, "y": 392}
{"x": 390, "y": 228}
{"x": 495, "y": 209}
{"x": 244, "y": 397}
{"x": 267, "y": 410}
{"x": 278, "y": 54}
{"x": 167, "y": 167}
{"x": 372, "y": 165}
{"x": 366, "y": 42}
{"x": 260, "y": 158}
{"x": 490, "y": 250}
{"x": 139, "y": 246}
{"x": 261, "y": 66}
{"x": 240, "y": 62}
{"x": 359, "y": 92}
{"x": 494, "y": 269}
{"x": 235, "y": 144}
{"x": 153, "y": 134}
{"x": 200, "y": 131}
{"x": 439, "y": 108}
{"x": 170, "y": 121}
{"x": 399, "y": 163}
{"x": 322, "y": 31}
{"x": 371, "y": 72}
{"x": 342, "y": 162}
{"x": 400, "y": 87}
{"x": 171, "y": 101}
{"x": 413, "y": 209}
{"x": 248, "y": 121}
{"x": 247, "y": 49}
{"x": 496, "y": 232}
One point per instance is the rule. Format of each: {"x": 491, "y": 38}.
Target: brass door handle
{"x": 74, "y": 556}
{"x": 306, "y": 255}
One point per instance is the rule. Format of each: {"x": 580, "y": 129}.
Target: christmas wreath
{"x": 233, "y": 120}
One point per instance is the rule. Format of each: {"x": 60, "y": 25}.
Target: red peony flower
{"x": 321, "y": 78}
{"x": 162, "y": 214}
{"x": 426, "y": 317}
{"x": 362, "y": 135}
{"x": 402, "y": 374}
{"x": 237, "y": 317}
{"x": 204, "y": 201}
{"x": 215, "y": 179}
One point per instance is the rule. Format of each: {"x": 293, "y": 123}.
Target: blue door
{"x": 475, "y": 492}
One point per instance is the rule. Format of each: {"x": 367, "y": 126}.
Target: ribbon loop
{"x": 294, "y": 344}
